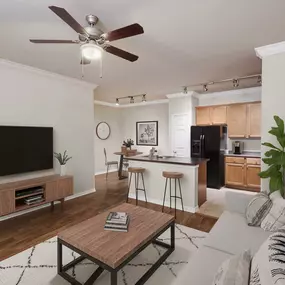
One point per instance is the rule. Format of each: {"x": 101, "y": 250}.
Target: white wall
{"x": 234, "y": 96}
{"x": 113, "y": 117}
{"x": 273, "y": 98}
{"x": 229, "y": 97}
{"x": 122, "y": 121}
{"x": 31, "y": 97}
{"x": 157, "y": 112}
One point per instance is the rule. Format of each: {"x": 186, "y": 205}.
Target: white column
{"x": 273, "y": 92}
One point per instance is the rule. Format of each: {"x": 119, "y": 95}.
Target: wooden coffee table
{"x": 113, "y": 250}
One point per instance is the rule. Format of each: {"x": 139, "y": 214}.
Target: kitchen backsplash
{"x": 249, "y": 144}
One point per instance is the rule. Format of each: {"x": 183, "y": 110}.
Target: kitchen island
{"x": 193, "y": 184}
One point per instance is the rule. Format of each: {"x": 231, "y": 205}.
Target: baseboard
{"x": 159, "y": 202}
{"x": 104, "y": 172}
{"x": 76, "y": 195}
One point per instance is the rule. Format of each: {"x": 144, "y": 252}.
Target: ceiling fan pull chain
{"x": 101, "y": 67}
{"x": 82, "y": 67}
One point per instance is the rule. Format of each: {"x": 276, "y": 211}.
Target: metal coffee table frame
{"x": 61, "y": 269}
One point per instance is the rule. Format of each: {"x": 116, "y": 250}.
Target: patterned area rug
{"x": 37, "y": 265}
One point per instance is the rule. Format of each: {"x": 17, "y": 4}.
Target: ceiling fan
{"x": 93, "y": 40}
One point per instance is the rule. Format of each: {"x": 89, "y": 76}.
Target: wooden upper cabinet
{"x": 218, "y": 115}
{"x": 203, "y": 116}
{"x": 237, "y": 120}
{"x": 254, "y": 120}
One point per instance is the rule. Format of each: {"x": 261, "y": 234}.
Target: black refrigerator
{"x": 210, "y": 142}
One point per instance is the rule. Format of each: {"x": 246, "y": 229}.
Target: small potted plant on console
{"x": 62, "y": 159}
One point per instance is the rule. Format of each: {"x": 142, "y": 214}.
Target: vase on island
{"x": 63, "y": 170}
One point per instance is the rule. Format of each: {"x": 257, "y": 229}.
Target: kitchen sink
{"x": 161, "y": 156}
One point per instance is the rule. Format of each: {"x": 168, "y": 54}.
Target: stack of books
{"x": 117, "y": 221}
{"x": 34, "y": 200}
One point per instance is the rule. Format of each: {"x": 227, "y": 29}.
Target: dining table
{"x": 122, "y": 155}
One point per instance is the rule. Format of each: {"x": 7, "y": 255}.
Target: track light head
{"x": 143, "y": 98}
{"x": 117, "y": 102}
{"x": 205, "y": 87}
{"x": 132, "y": 100}
{"x": 235, "y": 83}
{"x": 259, "y": 79}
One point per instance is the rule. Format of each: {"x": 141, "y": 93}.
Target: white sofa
{"x": 230, "y": 235}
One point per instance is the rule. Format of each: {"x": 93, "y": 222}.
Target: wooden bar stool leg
{"x": 170, "y": 193}
{"x": 129, "y": 187}
{"x": 175, "y": 196}
{"x": 181, "y": 195}
{"x": 144, "y": 187}
{"x": 165, "y": 189}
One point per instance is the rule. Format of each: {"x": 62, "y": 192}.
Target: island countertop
{"x": 171, "y": 160}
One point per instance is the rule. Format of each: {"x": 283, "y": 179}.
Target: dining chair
{"x": 109, "y": 163}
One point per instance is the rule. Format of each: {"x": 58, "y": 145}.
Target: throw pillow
{"x": 268, "y": 264}
{"x": 257, "y": 209}
{"x": 275, "y": 219}
{"x": 234, "y": 271}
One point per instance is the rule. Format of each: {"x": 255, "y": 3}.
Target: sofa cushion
{"x": 232, "y": 234}
{"x": 202, "y": 267}
{"x": 268, "y": 264}
{"x": 257, "y": 209}
{"x": 275, "y": 219}
{"x": 234, "y": 271}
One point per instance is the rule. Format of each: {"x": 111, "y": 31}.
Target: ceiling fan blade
{"x": 128, "y": 31}
{"x": 54, "y": 42}
{"x": 68, "y": 19}
{"x": 85, "y": 61}
{"x": 121, "y": 53}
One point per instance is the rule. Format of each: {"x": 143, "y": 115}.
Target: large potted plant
{"x": 275, "y": 158}
{"x": 62, "y": 159}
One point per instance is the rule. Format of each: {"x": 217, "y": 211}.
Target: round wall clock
{"x": 103, "y": 131}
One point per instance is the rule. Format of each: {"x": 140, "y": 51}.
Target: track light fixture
{"x": 235, "y": 83}
{"x": 132, "y": 98}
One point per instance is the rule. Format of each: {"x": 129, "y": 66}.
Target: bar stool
{"x": 176, "y": 176}
{"x": 137, "y": 171}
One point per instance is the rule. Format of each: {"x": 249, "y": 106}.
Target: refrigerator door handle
{"x": 201, "y": 146}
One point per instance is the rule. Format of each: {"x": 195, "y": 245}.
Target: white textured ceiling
{"x": 185, "y": 41}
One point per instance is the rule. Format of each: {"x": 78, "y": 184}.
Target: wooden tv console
{"x": 54, "y": 188}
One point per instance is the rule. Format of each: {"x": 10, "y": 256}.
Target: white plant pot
{"x": 62, "y": 170}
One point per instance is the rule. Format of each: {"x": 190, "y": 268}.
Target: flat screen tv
{"x": 25, "y": 149}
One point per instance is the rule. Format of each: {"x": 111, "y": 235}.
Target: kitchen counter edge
{"x": 174, "y": 160}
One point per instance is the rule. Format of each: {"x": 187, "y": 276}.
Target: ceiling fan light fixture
{"x": 91, "y": 51}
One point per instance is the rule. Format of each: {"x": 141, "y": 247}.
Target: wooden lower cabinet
{"x": 235, "y": 174}
{"x": 252, "y": 178}
{"x": 7, "y": 202}
{"x": 242, "y": 173}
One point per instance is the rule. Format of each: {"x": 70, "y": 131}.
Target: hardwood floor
{"x": 20, "y": 233}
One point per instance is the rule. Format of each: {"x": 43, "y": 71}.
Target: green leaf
{"x": 280, "y": 124}
{"x": 273, "y": 170}
{"x": 272, "y": 152}
{"x": 276, "y": 182}
{"x": 270, "y": 145}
